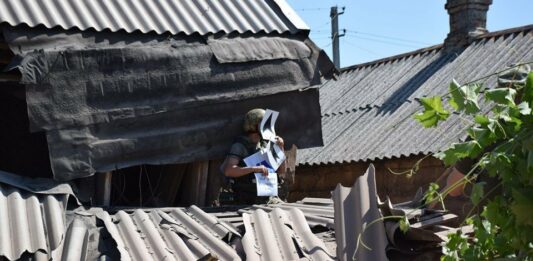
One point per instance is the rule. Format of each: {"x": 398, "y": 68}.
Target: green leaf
{"x": 459, "y": 151}
{"x": 464, "y": 97}
{"x": 477, "y": 192}
{"x": 522, "y": 206}
{"x": 482, "y": 135}
{"x": 432, "y": 193}
{"x": 528, "y": 90}
{"x": 485, "y": 121}
{"x": 457, "y": 100}
{"x": 524, "y": 108}
{"x": 494, "y": 213}
{"x": 433, "y": 112}
{"x": 501, "y": 95}
{"x": 404, "y": 224}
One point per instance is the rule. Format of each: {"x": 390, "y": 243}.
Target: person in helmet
{"x": 234, "y": 167}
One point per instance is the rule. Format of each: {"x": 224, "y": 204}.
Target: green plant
{"x": 501, "y": 142}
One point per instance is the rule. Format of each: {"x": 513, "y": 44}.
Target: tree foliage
{"x": 501, "y": 142}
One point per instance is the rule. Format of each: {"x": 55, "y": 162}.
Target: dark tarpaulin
{"x": 113, "y": 100}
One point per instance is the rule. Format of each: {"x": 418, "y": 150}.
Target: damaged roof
{"x": 367, "y": 113}
{"x": 40, "y": 224}
{"x": 163, "y": 16}
{"x": 30, "y": 222}
{"x": 358, "y": 220}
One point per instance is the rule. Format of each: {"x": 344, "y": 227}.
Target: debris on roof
{"x": 358, "y": 220}
{"x": 177, "y": 235}
{"x": 315, "y": 215}
{"x": 30, "y": 223}
{"x": 164, "y": 16}
{"x": 367, "y": 112}
{"x": 281, "y": 235}
{"x": 150, "y": 234}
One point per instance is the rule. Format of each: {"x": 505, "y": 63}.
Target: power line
{"x": 323, "y": 25}
{"x": 321, "y": 37}
{"x": 386, "y": 37}
{"x": 384, "y": 41}
{"x": 311, "y": 9}
{"x": 359, "y": 47}
{"x": 327, "y": 45}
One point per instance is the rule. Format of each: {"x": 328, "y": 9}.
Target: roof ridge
{"x": 435, "y": 47}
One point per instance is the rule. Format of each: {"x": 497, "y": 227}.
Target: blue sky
{"x": 382, "y": 28}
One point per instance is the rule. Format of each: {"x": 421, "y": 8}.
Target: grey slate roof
{"x": 367, "y": 112}
{"x": 162, "y": 16}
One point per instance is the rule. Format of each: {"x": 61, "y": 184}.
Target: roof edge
{"x": 438, "y": 46}
{"x": 367, "y": 160}
{"x": 293, "y": 17}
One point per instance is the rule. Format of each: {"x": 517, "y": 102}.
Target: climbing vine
{"x": 500, "y": 142}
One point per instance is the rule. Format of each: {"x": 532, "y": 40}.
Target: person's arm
{"x": 233, "y": 170}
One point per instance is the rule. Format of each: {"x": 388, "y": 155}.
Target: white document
{"x": 275, "y": 156}
{"x": 266, "y": 185}
{"x": 266, "y": 128}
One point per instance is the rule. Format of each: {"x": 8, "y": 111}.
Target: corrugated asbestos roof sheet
{"x": 30, "y": 223}
{"x": 357, "y": 220}
{"x": 367, "y": 112}
{"x": 36, "y": 225}
{"x": 178, "y": 235}
{"x": 161, "y": 16}
{"x": 281, "y": 235}
{"x": 314, "y": 214}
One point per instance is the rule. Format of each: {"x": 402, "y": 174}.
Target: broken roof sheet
{"x": 37, "y": 226}
{"x": 315, "y": 215}
{"x": 281, "y": 235}
{"x": 357, "y": 220}
{"x": 177, "y": 235}
{"x": 163, "y": 16}
{"x": 30, "y": 223}
{"x": 367, "y": 112}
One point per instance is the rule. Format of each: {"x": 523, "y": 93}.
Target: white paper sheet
{"x": 267, "y": 185}
{"x": 266, "y": 128}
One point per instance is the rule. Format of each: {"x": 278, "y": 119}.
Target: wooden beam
{"x": 289, "y": 175}
{"x": 194, "y": 185}
{"x": 214, "y": 183}
{"x": 103, "y": 188}
{"x": 201, "y": 170}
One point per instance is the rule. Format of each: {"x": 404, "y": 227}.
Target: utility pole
{"x": 334, "y": 15}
